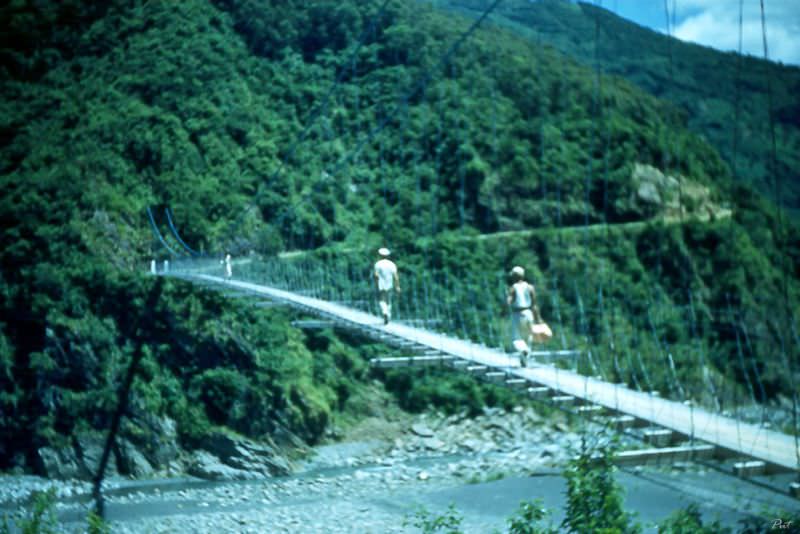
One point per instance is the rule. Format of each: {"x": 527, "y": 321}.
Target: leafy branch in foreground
{"x": 449, "y": 522}
{"x": 594, "y": 498}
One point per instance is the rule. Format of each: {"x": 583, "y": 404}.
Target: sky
{"x": 715, "y": 23}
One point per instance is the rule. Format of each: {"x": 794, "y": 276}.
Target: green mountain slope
{"x": 708, "y": 85}
{"x": 195, "y": 105}
{"x": 201, "y": 118}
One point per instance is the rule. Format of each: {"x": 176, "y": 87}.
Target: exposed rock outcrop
{"x": 59, "y": 462}
{"x": 131, "y": 461}
{"x": 228, "y": 457}
{"x": 656, "y": 194}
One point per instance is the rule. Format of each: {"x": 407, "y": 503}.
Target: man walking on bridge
{"x": 386, "y": 279}
{"x": 521, "y": 299}
{"x": 228, "y": 266}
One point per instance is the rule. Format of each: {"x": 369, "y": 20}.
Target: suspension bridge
{"x": 676, "y": 428}
{"x": 709, "y": 435}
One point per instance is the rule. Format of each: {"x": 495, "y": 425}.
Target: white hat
{"x": 383, "y": 251}
{"x": 519, "y": 271}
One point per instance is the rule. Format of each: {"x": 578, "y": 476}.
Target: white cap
{"x": 519, "y": 271}
{"x": 383, "y": 251}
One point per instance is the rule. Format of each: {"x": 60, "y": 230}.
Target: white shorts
{"x": 521, "y": 325}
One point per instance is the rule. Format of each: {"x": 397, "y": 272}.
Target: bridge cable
{"x": 177, "y": 236}
{"x": 668, "y": 159}
{"x": 781, "y": 230}
{"x": 694, "y": 333}
{"x": 158, "y": 234}
{"x": 762, "y": 394}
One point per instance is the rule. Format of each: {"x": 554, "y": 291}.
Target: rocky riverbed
{"x": 379, "y": 477}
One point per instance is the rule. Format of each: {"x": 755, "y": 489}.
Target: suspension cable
{"x": 781, "y": 234}
{"x": 158, "y": 234}
{"x": 177, "y": 236}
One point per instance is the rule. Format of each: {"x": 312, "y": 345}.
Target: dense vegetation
{"x": 113, "y": 107}
{"x": 731, "y": 100}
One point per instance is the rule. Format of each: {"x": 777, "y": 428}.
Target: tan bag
{"x": 541, "y": 332}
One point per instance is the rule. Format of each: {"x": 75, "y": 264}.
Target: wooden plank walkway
{"x": 696, "y": 423}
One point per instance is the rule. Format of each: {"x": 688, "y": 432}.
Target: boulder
{"x": 90, "y": 452}
{"x": 656, "y": 193}
{"x": 242, "y": 453}
{"x": 207, "y": 466}
{"x": 164, "y": 445}
{"x": 532, "y": 417}
{"x": 492, "y": 411}
{"x": 471, "y": 444}
{"x": 60, "y": 463}
{"x": 155, "y": 437}
{"x": 422, "y": 430}
{"x": 550, "y": 450}
{"x": 502, "y": 426}
{"x": 131, "y": 461}
{"x": 433, "y": 444}
{"x": 648, "y": 194}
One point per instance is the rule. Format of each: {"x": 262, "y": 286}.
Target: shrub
{"x": 689, "y": 521}
{"x": 220, "y": 391}
{"x": 594, "y": 498}
{"x": 429, "y": 523}
{"x": 527, "y": 519}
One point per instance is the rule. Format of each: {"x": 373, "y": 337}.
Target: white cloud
{"x": 716, "y": 23}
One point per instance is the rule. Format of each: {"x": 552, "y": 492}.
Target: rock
{"x": 423, "y": 475}
{"x": 433, "y": 443}
{"x": 165, "y": 446}
{"x": 61, "y": 463}
{"x": 473, "y": 445}
{"x": 648, "y": 193}
{"x": 155, "y": 437}
{"x": 532, "y": 417}
{"x": 655, "y": 193}
{"x": 455, "y": 418}
{"x": 501, "y": 426}
{"x": 242, "y": 453}
{"x": 207, "y": 466}
{"x": 90, "y": 452}
{"x": 491, "y": 411}
{"x": 422, "y": 430}
{"x": 131, "y": 461}
{"x": 550, "y": 450}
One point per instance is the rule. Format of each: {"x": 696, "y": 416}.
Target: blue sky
{"x": 715, "y": 23}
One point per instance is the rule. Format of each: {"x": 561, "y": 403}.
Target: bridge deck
{"x": 726, "y": 432}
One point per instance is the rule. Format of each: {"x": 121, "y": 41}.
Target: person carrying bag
{"x": 526, "y": 322}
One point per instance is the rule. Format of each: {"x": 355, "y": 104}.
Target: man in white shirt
{"x": 228, "y": 266}
{"x": 386, "y": 279}
{"x": 521, "y": 298}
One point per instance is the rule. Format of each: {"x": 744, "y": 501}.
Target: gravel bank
{"x": 484, "y": 466}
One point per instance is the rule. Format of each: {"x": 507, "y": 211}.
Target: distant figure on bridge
{"x": 386, "y": 280}
{"x": 228, "y": 266}
{"x": 526, "y": 323}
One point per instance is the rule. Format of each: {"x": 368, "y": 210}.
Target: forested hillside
{"x": 731, "y": 100}
{"x": 202, "y": 106}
